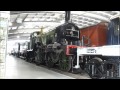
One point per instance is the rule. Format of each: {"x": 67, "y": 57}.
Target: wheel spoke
{"x": 49, "y": 62}
{"x": 65, "y": 62}
{"x": 97, "y": 69}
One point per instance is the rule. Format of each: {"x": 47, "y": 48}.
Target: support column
{"x": 4, "y": 23}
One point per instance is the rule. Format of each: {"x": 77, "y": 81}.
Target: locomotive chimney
{"x": 67, "y": 16}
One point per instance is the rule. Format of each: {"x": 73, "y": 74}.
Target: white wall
{"x": 11, "y": 44}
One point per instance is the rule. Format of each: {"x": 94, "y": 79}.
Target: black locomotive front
{"x": 64, "y": 35}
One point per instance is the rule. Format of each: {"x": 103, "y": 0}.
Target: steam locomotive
{"x": 54, "y": 50}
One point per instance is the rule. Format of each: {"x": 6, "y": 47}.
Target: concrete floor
{"x": 20, "y": 69}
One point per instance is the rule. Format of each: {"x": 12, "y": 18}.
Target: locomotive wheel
{"x": 36, "y": 61}
{"x": 38, "y": 58}
{"x": 29, "y": 57}
{"x": 49, "y": 62}
{"x": 55, "y": 57}
{"x": 98, "y": 72}
{"x": 30, "y": 60}
{"x": 65, "y": 62}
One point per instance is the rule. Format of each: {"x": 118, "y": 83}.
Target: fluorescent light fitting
{"x": 18, "y": 36}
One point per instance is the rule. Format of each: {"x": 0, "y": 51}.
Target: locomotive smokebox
{"x": 68, "y": 31}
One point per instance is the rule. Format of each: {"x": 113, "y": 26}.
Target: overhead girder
{"x": 14, "y": 24}
{"x": 18, "y": 12}
{"x": 96, "y": 15}
{"x": 23, "y": 31}
{"x": 20, "y": 34}
{"x": 102, "y": 13}
{"x": 21, "y": 38}
{"x": 32, "y": 25}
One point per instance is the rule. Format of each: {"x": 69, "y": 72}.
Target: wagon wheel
{"x": 94, "y": 68}
{"x": 65, "y": 62}
{"x": 49, "y": 61}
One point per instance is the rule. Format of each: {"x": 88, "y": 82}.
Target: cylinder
{"x": 4, "y": 23}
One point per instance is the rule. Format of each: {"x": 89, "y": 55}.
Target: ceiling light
{"x": 9, "y": 28}
{"x": 18, "y": 36}
{"x": 14, "y": 27}
{"x": 10, "y": 24}
{"x": 27, "y": 19}
{"x": 19, "y": 20}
